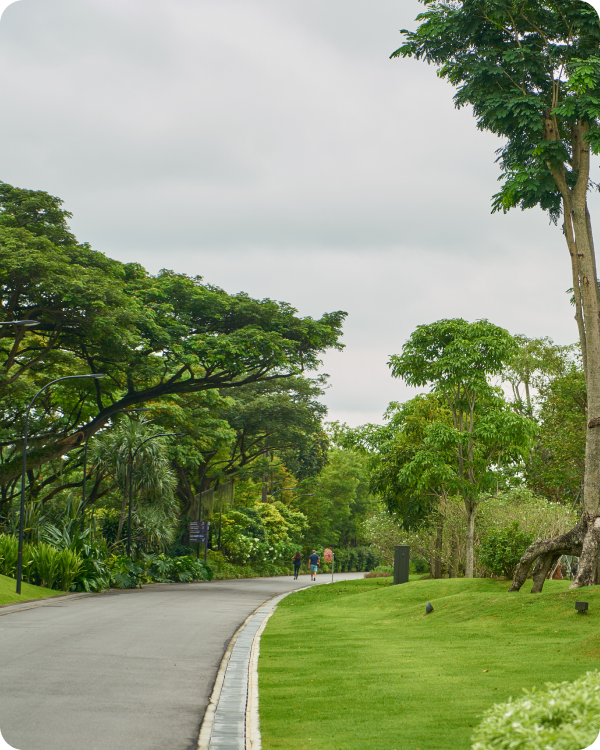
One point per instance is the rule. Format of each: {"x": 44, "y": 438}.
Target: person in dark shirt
{"x": 315, "y": 563}
{"x": 297, "y": 560}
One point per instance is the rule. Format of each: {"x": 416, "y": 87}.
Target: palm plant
{"x": 123, "y": 454}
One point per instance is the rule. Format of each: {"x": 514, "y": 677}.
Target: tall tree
{"x": 153, "y": 336}
{"x": 531, "y": 71}
{"x": 465, "y": 457}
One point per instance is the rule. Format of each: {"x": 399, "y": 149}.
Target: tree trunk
{"x": 470, "y": 539}
{"x": 122, "y": 516}
{"x": 453, "y": 569}
{"x": 123, "y": 505}
{"x": 437, "y": 563}
{"x": 584, "y": 540}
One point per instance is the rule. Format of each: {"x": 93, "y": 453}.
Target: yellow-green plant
{"x": 9, "y": 549}
{"x": 68, "y": 565}
{"x": 45, "y": 559}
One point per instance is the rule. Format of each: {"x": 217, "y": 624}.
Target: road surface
{"x": 127, "y": 670}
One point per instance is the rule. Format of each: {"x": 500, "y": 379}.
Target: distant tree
{"x": 456, "y": 359}
{"x": 530, "y": 69}
{"x": 556, "y": 465}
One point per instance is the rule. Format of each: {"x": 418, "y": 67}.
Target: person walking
{"x": 297, "y": 560}
{"x": 315, "y": 564}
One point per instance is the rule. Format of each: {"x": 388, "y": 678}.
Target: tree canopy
{"x": 153, "y": 336}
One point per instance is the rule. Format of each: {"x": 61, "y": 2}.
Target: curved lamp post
{"x": 24, "y": 470}
{"x": 130, "y": 479}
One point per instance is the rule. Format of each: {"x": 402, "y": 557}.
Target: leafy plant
{"x": 501, "y": 549}
{"x": 9, "y": 552}
{"x": 93, "y": 574}
{"x": 124, "y": 573}
{"x": 566, "y": 716}
{"x": 44, "y": 564}
{"x": 68, "y": 565}
{"x": 162, "y": 569}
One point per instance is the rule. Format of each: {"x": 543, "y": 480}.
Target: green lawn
{"x": 358, "y": 665}
{"x": 8, "y": 595}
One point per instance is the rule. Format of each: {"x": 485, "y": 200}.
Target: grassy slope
{"x": 359, "y": 666}
{"x": 8, "y": 595}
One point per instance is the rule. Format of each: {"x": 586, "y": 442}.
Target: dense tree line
{"x": 231, "y": 375}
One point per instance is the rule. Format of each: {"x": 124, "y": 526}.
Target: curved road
{"x": 127, "y": 670}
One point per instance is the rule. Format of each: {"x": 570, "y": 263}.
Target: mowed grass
{"x": 8, "y": 593}
{"x": 358, "y": 665}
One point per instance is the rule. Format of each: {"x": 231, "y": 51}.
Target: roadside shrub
{"x": 359, "y": 559}
{"x": 163, "y": 569}
{"x": 565, "y": 716}
{"x": 502, "y": 549}
{"x": 44, "y": 564}
{"x": 124, "y": 573}
{"x": 9, "y": 552}
{"x": 419, "y": 565}
{"x": 93, "y": 574}
{"x": 68, "y": 564}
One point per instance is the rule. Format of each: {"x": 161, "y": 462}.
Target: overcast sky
{"x": 272, "y": 147}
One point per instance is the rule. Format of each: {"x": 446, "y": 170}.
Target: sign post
{"x": 199, "y": 535}
{"x": 328, "y": 556}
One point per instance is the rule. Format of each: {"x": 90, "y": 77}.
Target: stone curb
{"x": 231, "y": 721}
{"x": 7, "y": 609}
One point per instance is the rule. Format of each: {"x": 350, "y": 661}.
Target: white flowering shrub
{"x": 564, "y": 716}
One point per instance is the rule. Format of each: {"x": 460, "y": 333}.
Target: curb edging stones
{"x": 231, "y": 721}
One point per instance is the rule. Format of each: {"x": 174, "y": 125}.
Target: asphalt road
{"x": 127, "y": 670}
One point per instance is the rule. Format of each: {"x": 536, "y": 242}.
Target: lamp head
{"x": 20, "y": 323}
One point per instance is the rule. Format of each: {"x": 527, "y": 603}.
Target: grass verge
{"x": 8, "y": 595}
{"x": 357, "y": 665}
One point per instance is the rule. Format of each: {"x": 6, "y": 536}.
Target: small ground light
{"x": 581, "y": 607}
{"x": 428, "y": 608}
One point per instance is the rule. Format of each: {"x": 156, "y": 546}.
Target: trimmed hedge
{"x": 350, "y": 559}
{"x": 565, "y": 716}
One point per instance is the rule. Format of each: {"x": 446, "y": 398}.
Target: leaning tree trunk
{"x": 583, "y": 541}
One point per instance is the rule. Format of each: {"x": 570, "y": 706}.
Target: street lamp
{"x": 130, "y": 479}
{"x": 85, "y": 452}
{"x": 24, "y": 470}
{"x": 25, "y": 323}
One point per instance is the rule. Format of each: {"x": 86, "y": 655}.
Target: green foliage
{"x": 52, "y": 567}
{"x": 336, "y": 502}
{"x": 349, "y": 559}
{"x": 555, "y": 469}
{"x": 161, "y": 568}
{"x": 44, "y": 565}
{"x": 261, "y": 533}
{"x": 520, "y": 66}
{"x": 125, "y": 573}
{"x": 564, "y": 716}
{"x": 93, "y": 574}
{"x": 501, "y": 549}
{"x": 9, "y": 554}
{"x": 129, "y": 574}
{"x": 68, "y": 566}
{"x": 453, "y": 354}
{"x": 465, "y": 454}
{"x": 155, "y": 337}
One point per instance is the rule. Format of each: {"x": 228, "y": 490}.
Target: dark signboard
{"x": 198, "y": 531}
